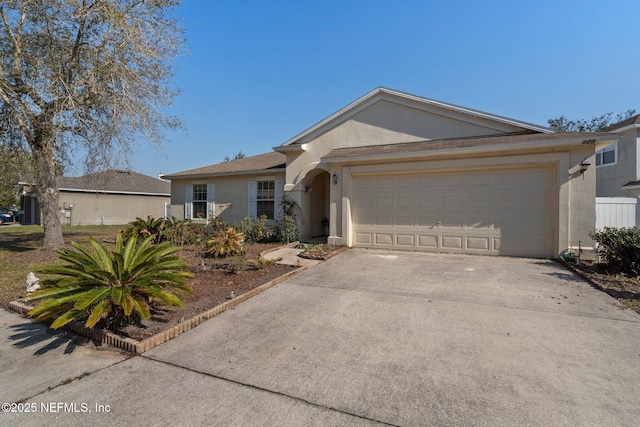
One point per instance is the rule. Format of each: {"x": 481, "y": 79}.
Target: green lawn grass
{"x": 21, "y": 252}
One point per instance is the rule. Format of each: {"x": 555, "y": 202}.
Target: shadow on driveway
{"x": 30, "y": 334}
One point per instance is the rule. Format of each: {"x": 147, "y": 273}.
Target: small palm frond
{"x": 113, "y": 287}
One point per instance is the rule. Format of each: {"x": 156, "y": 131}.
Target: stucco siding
{"x": 108, "y": 209}
{"x": 611, "y": 178}
{"x": 231, "y": 194}
{"x": 383, "y": 123}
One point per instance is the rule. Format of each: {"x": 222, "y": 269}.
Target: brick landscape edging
{"x": 138, "y": 347}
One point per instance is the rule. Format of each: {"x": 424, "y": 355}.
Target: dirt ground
{"x": 624, "y": 288}
{"x": 217, "y": 281}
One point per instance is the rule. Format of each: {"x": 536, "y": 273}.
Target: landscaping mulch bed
{"x": 217, "y": 281}
{"x": 626, "y": 289}
{"x": 320, "y": 252}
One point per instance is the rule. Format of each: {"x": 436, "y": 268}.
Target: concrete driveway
{"x": 371, "y": 338}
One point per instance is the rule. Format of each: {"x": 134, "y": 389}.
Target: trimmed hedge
{"x": 619, "y": 249}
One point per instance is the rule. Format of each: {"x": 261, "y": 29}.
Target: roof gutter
{"x": 234, "y": 173}
{"x": 470, "y": 150}
{"x": 136, "y": 193}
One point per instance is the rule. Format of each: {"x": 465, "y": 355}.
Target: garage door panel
{"x": 478, "y": 243}
{"x": 428, "y": 241}
{"x": 405, "y": 201}
{"x": 384, "y": 238}
{"x": 406, "y": 221}
{"x": 429, "y": 201}
{"x": 384, "y": 201}
{"x": 477, "y": 222}
{"x": 405, "y": 181}
{"x": 364, "y": 238}
{"x": 363, "y": 201}
{"x": 405, "y": 240}
{"x": 493, "y": 212}
{"x": 477, "y": 200}
{"x": 427, "y": 221}
{"x": 452, "y": 179}
{"x": 386, "y": 182}
{"x": 452, "y": 242}
{"x": 363, "y": 182}
{"x": 428, "y": 181}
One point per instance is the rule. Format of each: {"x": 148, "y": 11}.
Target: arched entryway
{"x": 318, "y": 191}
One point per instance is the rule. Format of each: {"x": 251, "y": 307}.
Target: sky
{"x": 260, "y": 72}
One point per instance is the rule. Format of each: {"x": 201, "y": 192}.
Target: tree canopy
{"x": 595, "y": 124}
{"x": 84, "y": 75}
{"x": 239, "y": 155}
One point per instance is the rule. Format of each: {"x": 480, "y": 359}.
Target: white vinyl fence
{"x": 615, "y": 212}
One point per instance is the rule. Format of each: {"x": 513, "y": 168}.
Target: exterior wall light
{"x": 335, "y": 178}
{"x": 584, "y": 165}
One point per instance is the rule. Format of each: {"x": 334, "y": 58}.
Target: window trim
{"x": 210, "y": 206}
{"x": 613, "y": 147}
{"x": 259, "y": 199}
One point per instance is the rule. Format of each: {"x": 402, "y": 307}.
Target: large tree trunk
{"x": 48, "y": 194}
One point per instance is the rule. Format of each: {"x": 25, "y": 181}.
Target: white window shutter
{"x": 278, "y": 195}
{"x": 188, "y": 202}
{"x": 211, "y": 206}
{"x": 253, "y": 199}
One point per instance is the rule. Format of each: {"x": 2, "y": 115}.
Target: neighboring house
{"x": 109, "y": 197}
{"x": 618, "y": 164}
{"x": 398, "y": 171}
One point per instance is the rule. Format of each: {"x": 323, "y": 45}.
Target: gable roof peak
{"x": 382, "y": 92}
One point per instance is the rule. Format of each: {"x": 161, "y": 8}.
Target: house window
{"x": 199, "y": 200}
{"x": 607, "y": 156}
{"x": 266, "y": 199}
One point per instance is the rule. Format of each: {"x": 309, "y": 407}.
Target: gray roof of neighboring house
{"x": 634, "y": 120}
{"x": 460, "y": 143}
{"x": 115, "y": 181}
{"x": 261, "y": 162}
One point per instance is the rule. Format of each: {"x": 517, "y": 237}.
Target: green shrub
{"x": 619, "y": 249}
{"x": 185, "y": 232}
{"x": 113, "y": 287}
{"x": 254, "y": 231}
{"x": 216, "y": 223}
{"x": 225, "y": 242}
{"x": 260, "y": 263}
{"x": 288, "y": 224}
{"x": 143, "y": 228}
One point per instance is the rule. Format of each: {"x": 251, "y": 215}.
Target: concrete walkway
{"x": 289, "y": 256}
{"x": 376, "y": 338}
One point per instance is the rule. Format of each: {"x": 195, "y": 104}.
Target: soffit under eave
{"x": 483, "y": 151}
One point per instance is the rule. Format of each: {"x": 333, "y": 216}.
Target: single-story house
{"x": 108, "y": 197}
{"x": 399, "y": 171}
{"x": 618, "y": 164}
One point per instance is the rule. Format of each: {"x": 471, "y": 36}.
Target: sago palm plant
{"x": 154, "y": 227}
{"x": 116, "y": 286}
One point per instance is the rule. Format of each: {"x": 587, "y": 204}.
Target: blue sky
{"x": 260, "y": 72}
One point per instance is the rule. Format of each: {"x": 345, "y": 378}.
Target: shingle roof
{"x": 260, "y": 162}
{"x": 634, "y": 120}
{"x": 457, "y": 143}
{"x": 116, "y": 181}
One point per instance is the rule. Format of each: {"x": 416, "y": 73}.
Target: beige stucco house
{"x": 108, "y": 197}
{"x": 618, "y": 164}
{"x": 398, "y": 171}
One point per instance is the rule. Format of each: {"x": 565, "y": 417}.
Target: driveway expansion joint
{"x": 266, "y": 390}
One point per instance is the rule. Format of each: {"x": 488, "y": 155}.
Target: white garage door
{"x": 492, "y": 212}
